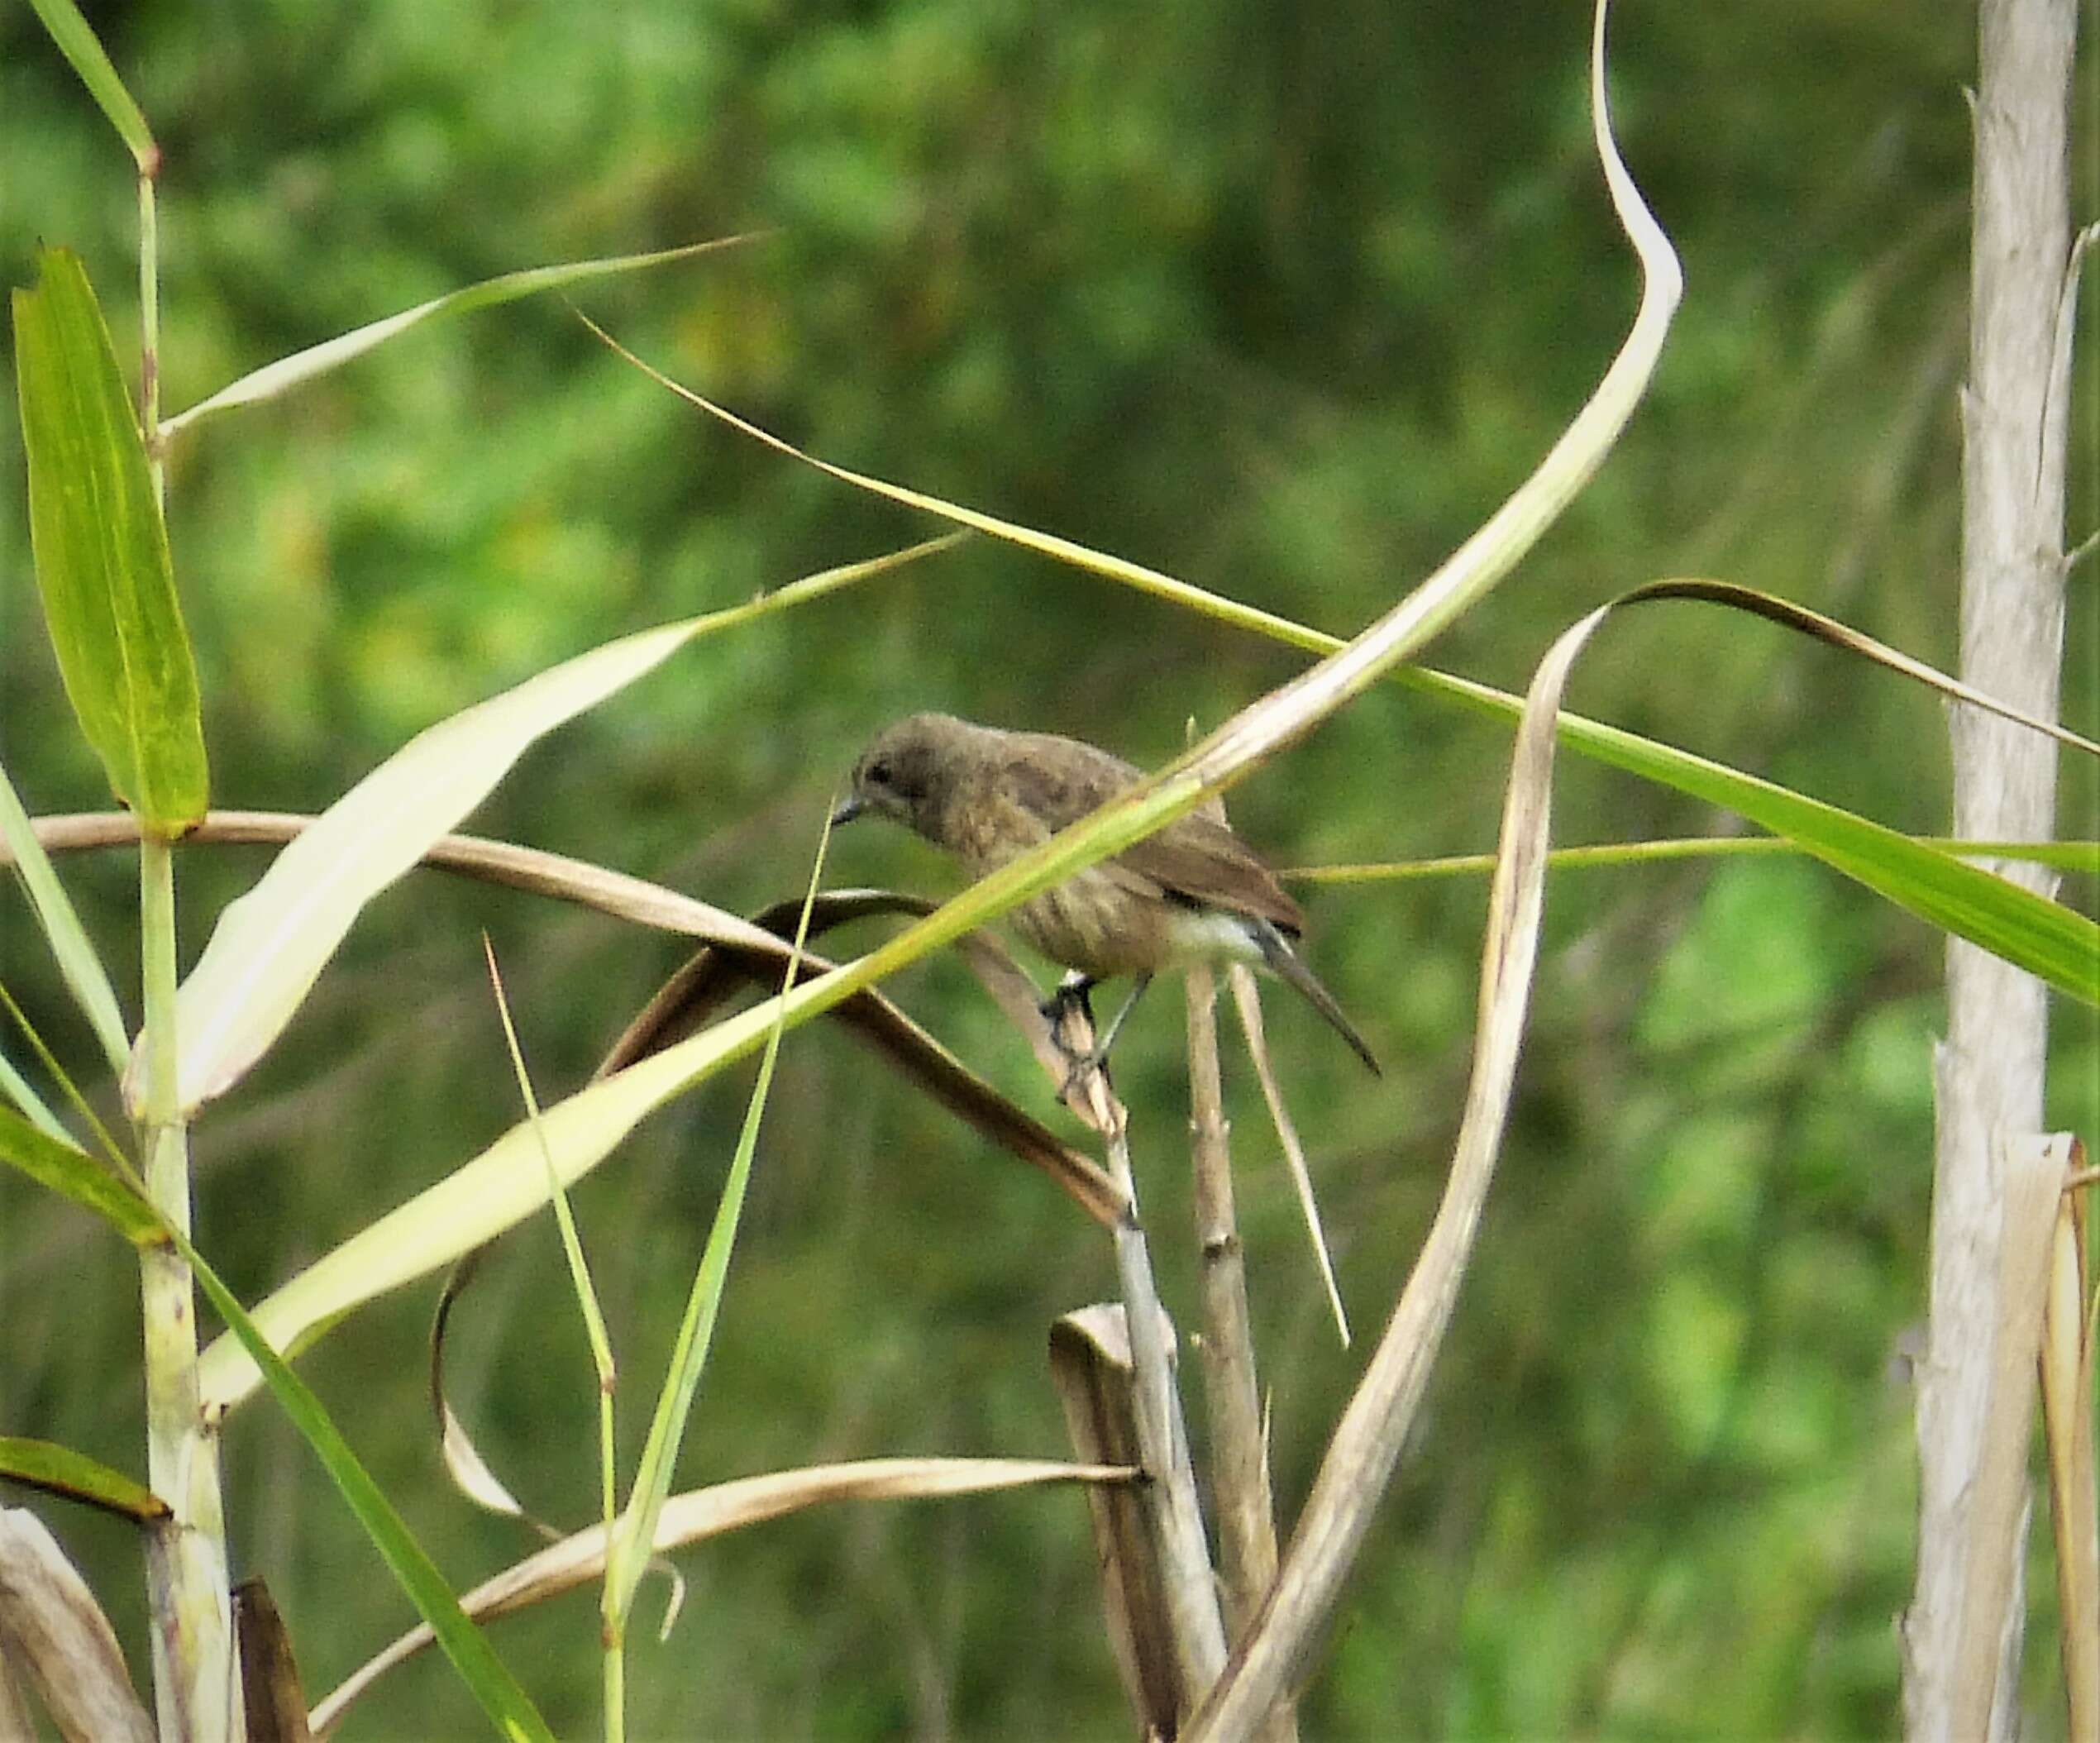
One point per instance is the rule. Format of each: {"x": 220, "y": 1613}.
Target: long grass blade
{"x": 273, "y": 379}
{"x": 636, "y": 1532}
{"x": 699, "y": 1513}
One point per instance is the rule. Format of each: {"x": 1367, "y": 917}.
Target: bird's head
{"x": 907, "y": 772}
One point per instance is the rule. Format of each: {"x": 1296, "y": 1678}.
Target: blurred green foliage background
{"x": 1282, "y": 302}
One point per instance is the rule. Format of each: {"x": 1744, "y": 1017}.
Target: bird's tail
{"x": 1286, "y": 964}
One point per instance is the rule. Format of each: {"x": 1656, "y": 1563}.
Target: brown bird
{"x": 1193, "y": 892}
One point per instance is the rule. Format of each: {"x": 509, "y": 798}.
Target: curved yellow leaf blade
{"x": 271, "y": 944}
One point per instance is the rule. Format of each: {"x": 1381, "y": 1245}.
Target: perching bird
{"x": 1192, "y": 891}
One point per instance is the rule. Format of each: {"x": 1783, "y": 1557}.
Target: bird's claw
{"x": 1071, "y": 994}
{"x": 1071, "y": 997}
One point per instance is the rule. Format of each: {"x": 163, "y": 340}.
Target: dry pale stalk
{"x": 2031, "y": 1171}
{"x": 1089, "y": 1364}
{"x": 1239, "y": 1451}
{"x": 1990, "y": 1070}
{"x": 1170, "y": 1497}
{"x": 1278, "y": 1653}
{"x": 1240, "y": 1463}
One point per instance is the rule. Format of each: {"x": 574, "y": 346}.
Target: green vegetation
{"x": 1284, "y": 308}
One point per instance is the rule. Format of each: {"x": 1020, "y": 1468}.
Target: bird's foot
{"x": 1071, "y": 995}
{"x": 1069, "y": 1000}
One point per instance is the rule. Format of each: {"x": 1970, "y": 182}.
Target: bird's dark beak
{"x": 847, "y": 809}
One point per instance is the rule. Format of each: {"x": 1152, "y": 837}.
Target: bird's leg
{"x": 1070, "y": 998}
{"x": 1115, "y": 1022}
{"x": 1095, "y": 1059}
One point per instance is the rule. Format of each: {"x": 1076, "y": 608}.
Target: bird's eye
{"x": 878, "y": 773}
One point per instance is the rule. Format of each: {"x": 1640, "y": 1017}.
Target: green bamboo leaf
{"x": 100, "y": 552}
{"x": 270, "y": 945}
{"x": 73, "y": 1173}
{"x": 2048, "y": 940}
{"x": 288, "y": 373}
{"x": 77, "y": 963}
{"x": 74, "y": 1476}
{"x": 78, "y": 43}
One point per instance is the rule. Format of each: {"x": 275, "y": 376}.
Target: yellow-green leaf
{"x": 270, "y": 946}
{"x": 301, "y": 367}
{"x": 59, "y": 1470}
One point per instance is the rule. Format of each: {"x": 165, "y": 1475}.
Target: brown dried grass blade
{"x": 1011, "y": 987}
{"x": 709, "y": 1512}
{"x": 725, "y": 967}
{"x": 722, "y": 969}
{"x": 471, "y": 1474}
{"x": 922, "y": 1060}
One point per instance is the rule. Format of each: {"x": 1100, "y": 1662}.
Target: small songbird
{"x": 1192, "y": 891}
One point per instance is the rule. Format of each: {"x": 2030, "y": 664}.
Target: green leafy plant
{"x": 112, "y": 608}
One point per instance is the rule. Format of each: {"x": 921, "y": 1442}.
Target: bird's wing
{"x": 1202, "y": 861}
{"x": 1194, "y": 857}
{"x": 1059, "y": 781}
